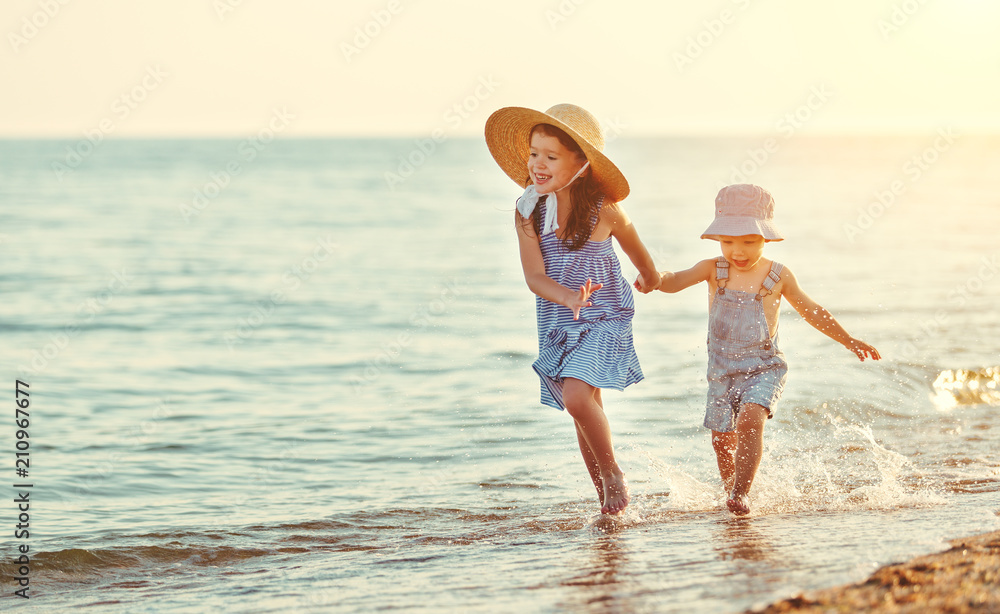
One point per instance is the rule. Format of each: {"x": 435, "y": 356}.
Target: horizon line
{"x": 740, "y": 133}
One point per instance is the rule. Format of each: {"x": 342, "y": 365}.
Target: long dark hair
{"x": 585, "y": 195}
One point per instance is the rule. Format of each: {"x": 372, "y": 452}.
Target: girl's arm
{"x": 821, "y": 319}
{"x": 540, "y": 283}
{"x": 627, "y": 236}
{"x": 675, "y": 282}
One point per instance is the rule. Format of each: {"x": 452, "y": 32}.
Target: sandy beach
{"x": 964, "y": 578}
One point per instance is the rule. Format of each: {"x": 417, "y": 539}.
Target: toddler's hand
{"x": 862, "y": 349}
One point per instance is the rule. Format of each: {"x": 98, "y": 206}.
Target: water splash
{"x": 958, "y": 387}
{"x": 687, "y": 492}
{"x": 888, "y": 491}
{"x": 838, "y": 466}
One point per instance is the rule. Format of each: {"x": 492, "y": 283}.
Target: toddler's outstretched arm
{"x": 821, "y": 319}
{"x": 675, "y": 282}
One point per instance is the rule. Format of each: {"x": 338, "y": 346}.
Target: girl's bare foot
{"x": 616, "y": 496}
{"x": 738, "y": 504}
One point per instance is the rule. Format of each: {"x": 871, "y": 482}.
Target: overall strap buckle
{"x": 721, "y": 273}
{"x": 773, "y": 277}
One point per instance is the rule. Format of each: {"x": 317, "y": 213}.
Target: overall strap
{"x": 721, "y": 273}
{"x": 773, "y": 277}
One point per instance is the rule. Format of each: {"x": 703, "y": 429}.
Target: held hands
{"x": 862, "y": 349}
{"x": 646, "y": 287}
{"x": 582, "y": 298}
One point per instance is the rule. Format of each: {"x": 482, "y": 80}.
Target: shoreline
{"x": 964, "y": 578}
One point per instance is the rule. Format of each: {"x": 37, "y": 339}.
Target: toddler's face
{"x": 742, "y": 252}
{"x": 550, "y": 164}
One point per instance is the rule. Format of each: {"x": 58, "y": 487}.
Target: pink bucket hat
{"x": 743, "y": 209}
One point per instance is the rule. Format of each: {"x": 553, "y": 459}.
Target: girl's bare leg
{"x": 591, "y": 461}
{"x": 583, "y": 402}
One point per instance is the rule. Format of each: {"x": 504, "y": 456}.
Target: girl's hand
{"x": 641, "y": 285}
{"x": 862, "y": 349}
{"x": 582, "y": 298}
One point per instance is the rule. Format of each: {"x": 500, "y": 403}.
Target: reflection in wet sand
{"x": 603, "y": 572}
{"x": 737, "y": 539}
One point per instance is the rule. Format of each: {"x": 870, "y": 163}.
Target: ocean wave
{"x": 81, "y": 564}
{"x": 959, "y": 387}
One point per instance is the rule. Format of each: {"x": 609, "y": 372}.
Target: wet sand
{"x": 965, "y": 578}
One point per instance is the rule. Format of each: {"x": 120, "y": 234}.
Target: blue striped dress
{"x": 598, "y": 347}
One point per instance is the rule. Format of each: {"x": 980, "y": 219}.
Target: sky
{"x": 137, "y": 68}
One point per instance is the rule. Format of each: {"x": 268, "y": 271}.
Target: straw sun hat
{"x": 508, "y": 132}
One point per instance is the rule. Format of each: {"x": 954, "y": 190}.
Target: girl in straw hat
{"x": 746, "y": 370}
{"x": 564, "y": 221}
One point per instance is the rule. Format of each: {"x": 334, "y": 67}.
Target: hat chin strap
{"x": 529, "y": 200}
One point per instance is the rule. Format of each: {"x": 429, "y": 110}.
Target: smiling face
{"x": 551, "y": 165}
{"x": 742, "y": 252}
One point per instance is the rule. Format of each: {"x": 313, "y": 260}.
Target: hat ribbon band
{"x": 529, "y": 200}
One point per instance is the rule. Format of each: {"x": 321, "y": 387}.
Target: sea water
{"x": 301, "y": 381}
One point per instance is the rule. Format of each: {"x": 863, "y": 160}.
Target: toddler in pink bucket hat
{"x": 743, "y": 209}
{"x": 746, "y": 370}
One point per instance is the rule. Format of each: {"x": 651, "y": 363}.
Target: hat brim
{"x": 737, "y": 226}
{"x": 508, "y": 132}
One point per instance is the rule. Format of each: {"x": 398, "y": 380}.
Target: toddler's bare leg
{"x": 750, "y": 447}
{"x": 583, "y": 403}
{"x": 725, "y": 446}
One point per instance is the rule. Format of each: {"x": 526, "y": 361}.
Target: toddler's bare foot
{"x": 599, "y": 485}
{"x": 616, "y": 495}
{"x": 738, "y": 504}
